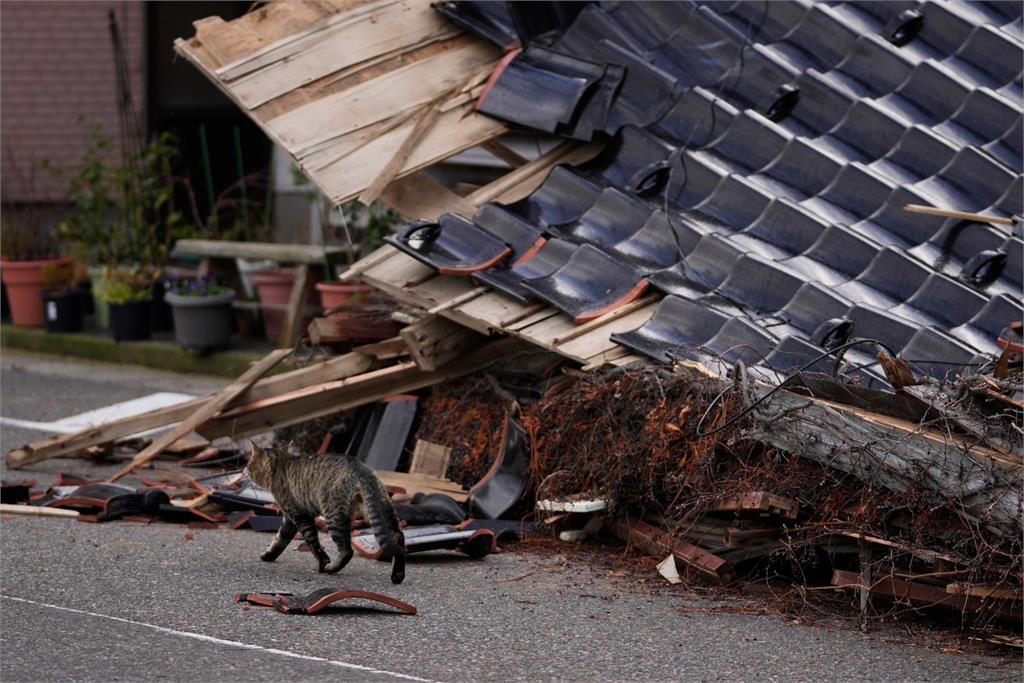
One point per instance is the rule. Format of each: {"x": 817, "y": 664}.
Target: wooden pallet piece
{"x": 434, "y": 342}
{"x": 658, "y": 543}
{"x": 430, "y": 458}
{"x": 757, "y": 502}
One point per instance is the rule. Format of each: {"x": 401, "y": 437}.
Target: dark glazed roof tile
{"x": 534, "y": 94}
{"x": 760, "y": 284}
{"x": 677, "y": 328}
{"x": 453, "y": 245}
{"x": 785, "y": 179}
{"x": 812, "y": 305}
{"x": 658, "y": 244}
{"x": 939, "y": 355}
{"x": 563, "y": 197}
{"x": 614, "y": 217}
{"x": 589, "y": 285}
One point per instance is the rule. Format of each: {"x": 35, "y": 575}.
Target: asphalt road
{"x": 123, "y": 601}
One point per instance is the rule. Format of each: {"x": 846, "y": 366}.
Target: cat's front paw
{"x": 268, "y": 556}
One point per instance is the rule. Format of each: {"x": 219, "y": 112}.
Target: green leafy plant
{"x": 124, "y": 285}
{"x": 124, "y": 212}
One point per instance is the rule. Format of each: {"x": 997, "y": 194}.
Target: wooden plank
{"x": 420, "y": 197}
{"x": 325, "y": 50}
{"x": 292, "y": 327}
{"x": 599, "y": 340}
{"x": 433, "y": 342}
{"x": 502, "y": 152}
{"x": 924, "y": 595}
{"x": 417, "y": 483}
{"x": 983, "y": 591}
{"x": 36, "y": 510}
{"x": 430, "y": 458}
{"x": 284, "y": 253}
{"x": 253, "y": 31}
{"x": 459, "y": 300}
{"x": 298, "y": 41}
{"x": 539, "y": 165}
{"x": 51, "y": 447}
{"x": 527, "y": 178}
{"x": 454, "y": 131}
{"x": 381, "y": 254}
{"x": 658, "y": 543}
{"x": 425, "y": 120}
{"x": 580, "y": 330}
{"x": 409, "y": 87}
{"x": 211, "y": 408}
{"x": 334, "y": 397}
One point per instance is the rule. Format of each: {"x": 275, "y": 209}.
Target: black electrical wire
{"x": 779, "y": 387}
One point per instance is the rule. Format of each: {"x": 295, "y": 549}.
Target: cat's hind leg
{"x": 307, "y": 527}
{"x": 284, "y": 536}
{"x": 340, "y": 527}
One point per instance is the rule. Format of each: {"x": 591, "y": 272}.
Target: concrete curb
{"x": 161, "y": 355}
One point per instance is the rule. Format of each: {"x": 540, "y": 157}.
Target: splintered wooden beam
{"x": 433, "y": 342}
{"x": 924, "y": 595}
{"x": 211, "y": 408}
{"x": 334, "y": 397}
{"x": 52, "y": 447}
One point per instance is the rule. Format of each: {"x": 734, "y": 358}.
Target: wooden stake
{"x": 40, "y": 510}
{"x": 459, "y": 300}
{"x": 221, "y": 401}
{"x": 962, "y": 215}
{"x": 581, "y": 330}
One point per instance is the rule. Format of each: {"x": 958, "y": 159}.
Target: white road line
{"x": 222, "y": 641}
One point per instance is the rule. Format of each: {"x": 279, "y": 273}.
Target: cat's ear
{"x": 256, "y": 450}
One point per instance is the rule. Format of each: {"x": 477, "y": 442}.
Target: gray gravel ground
{"x": 133, "y": 602}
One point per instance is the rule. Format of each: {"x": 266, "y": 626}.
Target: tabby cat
{"x": 330, "y": 485}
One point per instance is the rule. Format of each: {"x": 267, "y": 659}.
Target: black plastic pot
{"x": 85, "y": 292}
{"x": 202, "y": 323}
{"x": 130, "y": 321}
{"x": 161, "y": 318}
{"x": 62, "y": 310}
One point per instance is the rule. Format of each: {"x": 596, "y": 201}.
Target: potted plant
{"x": 125, "y": 221}
{"x": 26, "y": 249}
{"x": 202, "y": 314}
{"x": 62, "y": 302}
{"x": 128, "y": 292}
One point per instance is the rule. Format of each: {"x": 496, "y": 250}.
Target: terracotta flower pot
{"x": 333, "y": 294}
{"x": 274, "y": 287}
{"x": 25, "y": 285}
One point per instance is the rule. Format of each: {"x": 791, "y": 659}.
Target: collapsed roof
{"x": 749, "y": 201}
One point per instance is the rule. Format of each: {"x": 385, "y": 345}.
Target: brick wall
{"x": 57, "y": 65}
